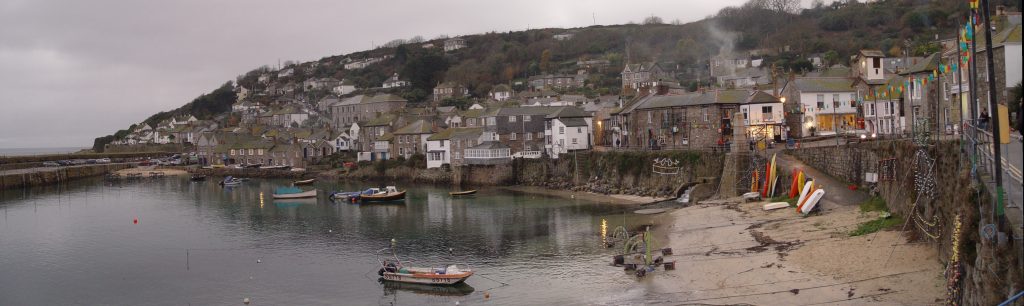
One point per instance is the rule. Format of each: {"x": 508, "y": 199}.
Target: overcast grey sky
{"x": 74, "y": 70}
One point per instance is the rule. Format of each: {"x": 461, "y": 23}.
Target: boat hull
{"x": 461, "y": 193}
{"x": 431, "y": 279}
{"x": 304, "y": 182}
{"x": 300, "y": 195}
{"x": 383, "y": 198}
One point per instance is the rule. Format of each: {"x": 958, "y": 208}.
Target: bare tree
{"x": 653, "y": 20}
{"x": 416, "y": 39}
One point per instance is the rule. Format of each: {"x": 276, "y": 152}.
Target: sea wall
{"x": 48, "y": 176}
{"x": 631, "y": 173}
{"x": 930, "y": 187}
{"x": 657, "y": 173}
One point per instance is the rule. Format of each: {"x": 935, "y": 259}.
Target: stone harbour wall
{"x": 48, "y": 176}
{"x": 991, "y": 269}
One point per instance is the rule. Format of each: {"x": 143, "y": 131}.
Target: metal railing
{"x": 984, "y": 168}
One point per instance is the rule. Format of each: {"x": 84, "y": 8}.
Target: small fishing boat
{"x": 197, "y": 178}
{"x": 462, "y": 193}
{"x": 293, "y": 193}
{"x": 231, "y": 181}
{"x": 392, "y": 269}
{"x": 304, "y": 182}
{"x": 348, "y": 195}
{"x": 276, "y": 167}
{"x": 252, "y": 166}
{"x": 389, "y": 193}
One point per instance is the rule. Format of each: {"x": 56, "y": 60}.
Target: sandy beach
{"x": 589, "y": 196}
{"x": 727, "y": 252}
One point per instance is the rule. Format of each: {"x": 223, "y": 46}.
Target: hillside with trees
{"x": 779, "y": 31}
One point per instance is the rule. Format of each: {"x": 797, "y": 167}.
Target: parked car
{"x": 50, "y": 164}
{"x": 103, "y": 161}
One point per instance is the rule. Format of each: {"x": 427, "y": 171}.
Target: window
{"x": 835, "y": 101}
{"x": 512, "y": 136}
{"x": 529, "y": 136}
{"x": 511, "y": 119}
{"x": 821, "y": 101}
{"x": 704, "y": 113}
{"x": 766, "y": 113}
{"x": 561, "y": 129}
{"x": 259, "y": 152}
{"x": 574, "y": 141}
{"x": 526, "y": 118}
{"x": 579, "y": 130}
{"x": 491, "y": 121}
{"x": 457, "y": 155}
{"x": 232, "y": 151}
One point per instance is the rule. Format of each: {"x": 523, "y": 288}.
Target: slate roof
{"x": 823, "y": 84}
{"x": 489, "y": 145}
{"x": 568, "y": 112}
{"x": 929, "y": 64}
{"x": 418, "y": 127}
{"x": 385, "y": 98}
{"x": 872, "y": 53}
{"x": 573, "y": 122}
{"x": 457, "y": 133}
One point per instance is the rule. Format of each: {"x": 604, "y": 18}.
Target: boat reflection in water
{"x": 460, "y": 289}
{"x": 294, "y": 202}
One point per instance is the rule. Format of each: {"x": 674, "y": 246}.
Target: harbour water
{"x": 200, "y": 244}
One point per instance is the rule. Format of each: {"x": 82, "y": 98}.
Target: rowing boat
{"x": 304, "y": 182}
{"x": 462, "y": 193}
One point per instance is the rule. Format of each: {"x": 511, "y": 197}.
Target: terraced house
{"x": 412, "y": 139}
{"x": 690, "y": 121}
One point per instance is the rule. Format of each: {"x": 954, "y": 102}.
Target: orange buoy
{"x": 487, "y": 295}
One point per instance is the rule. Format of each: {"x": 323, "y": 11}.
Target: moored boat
{"x": 198, "y": 178}
{"x": 276, "y": 167}
{"x": 293, "y": 193}
{"x": 389, "y": 193}
{"x": 462, "y": 193}
{"x": 304, "y": 182}
{"x": 231, "y": 181}
{"x": 350, "y": 195}
{"x": 392, "y": 269}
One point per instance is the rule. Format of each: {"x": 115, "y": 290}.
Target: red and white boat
{"x": 392, "y": 269}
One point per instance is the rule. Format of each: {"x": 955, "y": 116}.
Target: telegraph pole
{"x": 993, "y": 109}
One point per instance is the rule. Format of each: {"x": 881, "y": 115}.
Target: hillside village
{"x": 302, "y": 114}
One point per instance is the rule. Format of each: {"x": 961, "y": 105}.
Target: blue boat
{"x": 348, "y": 195}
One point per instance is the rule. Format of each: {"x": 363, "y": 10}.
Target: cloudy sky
{"x": 74, "y": 70}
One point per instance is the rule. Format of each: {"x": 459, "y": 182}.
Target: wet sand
{"x": 727, "y": 252}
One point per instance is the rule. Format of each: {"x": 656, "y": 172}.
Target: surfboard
{"x": 808, "y": 189}
{"x": 794, "y": 186}
{"x": 812, "y": 201}
{"x": 753, "y": 182}
{"x": 775, "y": 205}
{"x": 775, "y": 177}
{"x": 767, "y": 179}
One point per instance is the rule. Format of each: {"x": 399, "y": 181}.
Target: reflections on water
{"x": 200, "y": 243}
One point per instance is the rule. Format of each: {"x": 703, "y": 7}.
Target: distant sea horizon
{"x": 38, "y": 151}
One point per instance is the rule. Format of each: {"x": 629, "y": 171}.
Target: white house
{"x": 568, "y": 129}
{"x": 764, "y": 116}
{"x": 285, "y": 72}
{"x": 454, "y": 44}
{"x": 394, "y": 82}
{"x": 344, "y": 88}
{"x": 501, "y": 92}
{"x": 439, "y": 149}
{"x": 826, "y": 104}
{"x": 341, "y": 142}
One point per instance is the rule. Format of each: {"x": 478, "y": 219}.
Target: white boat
{"x": 231, "y": 181}
{"x": 392, "y": 269}
{"x": 296, "y": 195}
